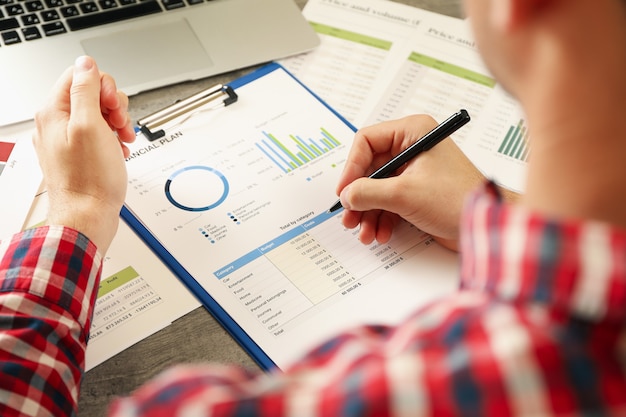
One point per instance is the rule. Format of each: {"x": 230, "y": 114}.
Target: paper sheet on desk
{"x": 379, "y": 60}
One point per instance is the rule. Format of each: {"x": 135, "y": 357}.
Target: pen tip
{"x": 335, "y": 207}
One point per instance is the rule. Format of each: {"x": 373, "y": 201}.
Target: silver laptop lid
{"x": 194, "y": 40}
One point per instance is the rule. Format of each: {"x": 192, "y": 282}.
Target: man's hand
{"x": 428, "y": 192}
{"x": 80, "y": 140}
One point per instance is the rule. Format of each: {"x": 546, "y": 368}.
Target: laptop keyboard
{"x": 29, "y": 20}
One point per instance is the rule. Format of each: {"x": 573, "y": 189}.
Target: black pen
{"x": 445, "y": 129}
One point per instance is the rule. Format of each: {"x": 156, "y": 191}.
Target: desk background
{"x": 196, "y": 337}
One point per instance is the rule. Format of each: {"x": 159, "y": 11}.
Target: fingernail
{"x": 344, "y": 197}
{"x": 83, "y": 63}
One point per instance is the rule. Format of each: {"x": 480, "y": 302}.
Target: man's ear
{"x": 510, "y": 15}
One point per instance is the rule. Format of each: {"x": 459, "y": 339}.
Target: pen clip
{"x": 220, "y": 95}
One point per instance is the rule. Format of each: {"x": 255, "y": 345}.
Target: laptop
{"x": 144, "y": 44}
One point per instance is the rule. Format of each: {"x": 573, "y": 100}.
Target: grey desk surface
{"x": 196, "y": 337}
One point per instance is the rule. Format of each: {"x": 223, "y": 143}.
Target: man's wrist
{"x": 95, "y": 219}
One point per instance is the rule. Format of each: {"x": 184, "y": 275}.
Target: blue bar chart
{"x": 296, "y": 151}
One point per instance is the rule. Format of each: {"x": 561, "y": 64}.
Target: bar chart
{"x": 515, "y": 143}
{"x": 296, "y": 151}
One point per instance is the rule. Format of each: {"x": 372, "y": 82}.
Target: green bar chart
{"x": 515, "y": 143}
{"x": 295, "y": 151}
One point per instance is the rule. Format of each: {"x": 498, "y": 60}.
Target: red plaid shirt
{"x": 537, "y": 328}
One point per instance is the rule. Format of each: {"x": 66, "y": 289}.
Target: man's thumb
{"x": 85, "y": 90}
{"x": 368, "y": 194}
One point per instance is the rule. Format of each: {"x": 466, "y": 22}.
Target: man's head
{"x": 521, "y": 39}
{"x": 564, "y": 60}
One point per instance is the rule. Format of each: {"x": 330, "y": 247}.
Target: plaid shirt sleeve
{"x": 48, "y": 279}
{"x": 537, "y": 328}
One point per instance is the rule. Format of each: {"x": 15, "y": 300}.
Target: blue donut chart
{"x": 210, "y": 206}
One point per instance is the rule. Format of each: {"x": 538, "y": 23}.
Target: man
{"x": 537, "y": 328}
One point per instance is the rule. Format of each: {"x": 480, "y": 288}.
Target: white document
{"x": 138, "y": 295}
{"x": 380, "y": 60}
{"x": 360, "y": 40}
{"x": 239, "y": 197}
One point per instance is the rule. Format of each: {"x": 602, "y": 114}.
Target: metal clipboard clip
{"x": 211, "y": 98}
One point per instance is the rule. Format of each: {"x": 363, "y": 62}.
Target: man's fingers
{"x": 114, "y": 104}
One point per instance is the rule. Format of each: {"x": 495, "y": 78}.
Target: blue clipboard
{"x": 217, "y": 311}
